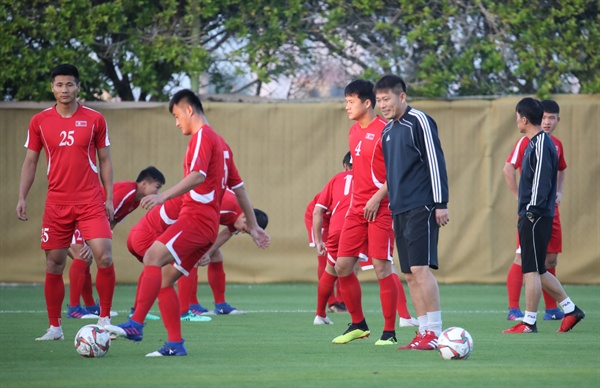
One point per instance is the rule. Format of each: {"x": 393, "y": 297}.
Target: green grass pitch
{"x": 276, "y": 345}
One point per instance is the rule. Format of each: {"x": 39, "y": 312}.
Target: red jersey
{"x": 70, "y": 145}
{"x": 160, "y": 217}
{"x": 205, "y": 154}
{"x": 123, "y": 199}
{"x": 232, "y": 176}
{"x": 516, "y": 156}
{"x": 230, "y": 210}
{"x": 335, "y": 198}
{"x": 368, "y": 165}
{"x": 308, "y": 220}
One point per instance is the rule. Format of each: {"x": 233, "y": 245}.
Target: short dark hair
{"x": 531, "y": 109}
{"x": 151, "y": 173}
{"x": 65, "y": 69}
{"x": 261, "y": 218}
{"x": 361, "y": 88}
{"x": 390, "y": 82}
{"x": 551, "y": 106}
{"x": 190, "y": 97}
{"x": 347, "y": 159}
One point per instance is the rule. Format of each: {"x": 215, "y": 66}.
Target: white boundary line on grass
{"x": 276, "y": 311}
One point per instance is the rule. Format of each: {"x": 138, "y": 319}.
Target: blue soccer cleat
{"x": 79, "y": 312}
{"x": 515, "y": 314}
{"x": 170, "y": 349}
{"x": 225, "y": 309}
{"x": 198, "y": 309}
{"x": 95, "y": 309}
{"x": 553, "y": 315}
{"x": 130, "y": 330}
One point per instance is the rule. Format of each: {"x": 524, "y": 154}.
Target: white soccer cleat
{"x": 54, "y": 333}
{"x": 322, "y": 321}
{"x": 412, "y": 322}
{"x": 103, "y": 321}
{"x": 115, "y": 331}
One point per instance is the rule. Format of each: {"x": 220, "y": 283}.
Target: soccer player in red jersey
{"x": 335, "y": 200}
{"x": 194, "y": 232}
{"x": 367, "y": 232}
{"x": 71, "y": 135}
{"x": 235, "y": 222}
{"x": 308, "y": 222}
{"x": 514, "y": 279}
{"x": 126, "y": 198}
{"x": 335, "y": 302}
{"x": 143, "y": 234}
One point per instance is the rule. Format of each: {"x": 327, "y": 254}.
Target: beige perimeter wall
{"x": 286, "y": 152}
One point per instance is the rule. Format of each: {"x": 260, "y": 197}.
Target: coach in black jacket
{"x": 418, "y": 191}
{"x": 537, "y": 196}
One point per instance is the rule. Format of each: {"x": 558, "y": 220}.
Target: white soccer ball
{"x": 455, "y": 343}
{"x": 92, "y": 341}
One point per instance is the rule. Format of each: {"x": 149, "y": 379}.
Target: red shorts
{"x": 59, "y": 223}
{"x": 555, "y": 244}
{"x": 77, "y": 238}
{"x": 366, "y": 265}
{"x": 139, "y": 240}
{"x": 332, "y": 252}
{"x": 367, "y": 240}
{"x": 331, "y": 245}
{"x": 188, "y": 240}
{"x": 311, "y": 236}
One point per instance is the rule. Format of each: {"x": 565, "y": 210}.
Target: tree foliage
{"x": 141, "y": 49}
{"x": 469, "y": 47}
{"x": 142, "y": 46}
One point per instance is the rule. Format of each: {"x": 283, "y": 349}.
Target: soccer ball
{"x": 455, "y": 343}
{"x": 92, "y": 341}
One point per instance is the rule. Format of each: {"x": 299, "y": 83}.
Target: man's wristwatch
{"x": 530, "y": 216}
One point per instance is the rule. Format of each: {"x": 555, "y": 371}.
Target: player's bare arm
{"x": 510, "y": 176}
{"x": 193, "y": 179}
{"x": 244, "y": 201}
{"x": 27, "y": 176}
{"x": 106, "y": 175}
{"x": 223, "y": 236}
{"x": 372, "y": 206}
{"x": 560, "y": 181}
{"x": 260, "y": 237}
{"x": 317, "y": 224}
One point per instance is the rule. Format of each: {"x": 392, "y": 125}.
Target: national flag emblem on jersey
{"x": 370, "y": 136}
{"x": 81, "y": 123}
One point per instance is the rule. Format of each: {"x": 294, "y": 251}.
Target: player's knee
{"x": 517, "y": 260}
{"x": 55, "y": 262}
{"x": 54, "y": 268}
{"x": 342, "y": 268}
{"x": 382, "y": 270}
{"x": 551, "y": 260}
{"x": 104, "y": 261}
